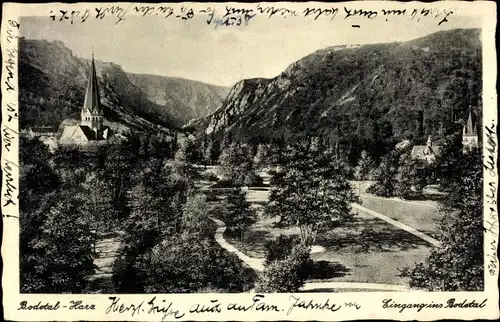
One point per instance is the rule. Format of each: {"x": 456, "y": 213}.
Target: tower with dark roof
{"x": 91, "y": 127}
{"x": 91, "y": 113}
{"x": 469, "y": 134}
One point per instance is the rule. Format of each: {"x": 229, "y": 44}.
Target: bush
{"x": 253, "y": 180}
{"x": 209, "y": 176}
{"x": 286, "y": 275}
{"x": 281, "y": 277}
{"x": 224, "y": 183}
{"x": 380, "y": 190}
{"x": 186, "y": 263}
{"x": 280, "y": 248}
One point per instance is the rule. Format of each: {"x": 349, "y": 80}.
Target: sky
{"x": 224, "y": 55}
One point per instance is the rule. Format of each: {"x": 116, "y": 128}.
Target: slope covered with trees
{"x": 364, "y": 98}
{"x": 183, "y": 98}
{"x": 53, "y": 82}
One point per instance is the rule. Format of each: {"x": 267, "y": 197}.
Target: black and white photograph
{"x": 210, "y": 149}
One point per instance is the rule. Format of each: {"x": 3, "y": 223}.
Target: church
{"x": 429, "y": 152}
{"x": 90, "y": 128}
{"x": 469, "y": 135}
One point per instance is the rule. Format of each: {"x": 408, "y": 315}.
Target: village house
{"x": 427, "y": 153}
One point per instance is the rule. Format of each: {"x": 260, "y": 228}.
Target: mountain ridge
{"x": 54, "y": 80}
{"x": 371, "y": 95}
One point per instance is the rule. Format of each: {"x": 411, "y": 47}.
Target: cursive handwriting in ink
{"x": 8, "y": 135}
{"x": 352, "y": 304}
{"x": 10, "y": 64}
{"x": 311, "y": 305}
{"x": 10, "y": 187}
{"x": 11, "y": 31}
{"x": 257, "y": 305}
{"x": 271, "y": 11}
{"x": 167, "y": 310}
{"x": 213, "y": 307}
{"x": 317, "y": 12}
{"x": 116, "y": 306}
{"x": 491, "y": 146}
{"x": 11, "y": 111}
{"x": 491, "y": 220}
{"x": 116, "y": 11}
{"x": 360, "y": 13}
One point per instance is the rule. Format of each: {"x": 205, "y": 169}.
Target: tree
{"x": 457, "y": 264}
{"x": 62, "y": 252}
{"x": 37, "y": 178}
{"x": 280, "y": 248}
{"x": 236, "y": 163}
{"x": 448, "y": 161}
{"x": 385, "y": 175}
{"x": 183, "y": 160}
{"x": 311, "y": 193}
{"x": 143, "y": 227}
{"x": 97, "y": 205}
{"x": 239, "y": 215}
{"x": 410, "y": 179}
{"x": 364, "y": 168}
{"x": 195, "y": 217}
{"x": 261, "y": 156}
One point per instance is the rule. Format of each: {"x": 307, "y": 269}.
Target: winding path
{"x": 257, "y": 264}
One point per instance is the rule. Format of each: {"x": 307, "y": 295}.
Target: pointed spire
{"x": 469, "y": 129}
{"x": 429, "y": 141}
{"x": 92, "y": 100}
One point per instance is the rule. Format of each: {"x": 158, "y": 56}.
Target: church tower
{"x": 469, "y": 135}
{"x": 91, "y": 114}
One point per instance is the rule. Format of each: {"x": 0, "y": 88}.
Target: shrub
{"x": 286, "y": 275}
{"x": 280, "y": 247}
{"x": 253, "y": 180}
{"x": 280, "y": 276}
{"x": 186, "y": 263}
{"x": 380, "y": 190}
{"x": 224, "y": 183}
{"x": 209, "y": 176}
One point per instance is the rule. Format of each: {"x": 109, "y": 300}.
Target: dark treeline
{"x": 142, "y": 190}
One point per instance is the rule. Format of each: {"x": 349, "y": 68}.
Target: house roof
{"x": 87, "y": 131}
{"x": 423, "y": 151}
{"x": 42, "y": 129}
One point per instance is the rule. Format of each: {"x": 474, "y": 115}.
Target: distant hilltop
{"x": 54, "y": 82}
{"x": 371, "y": 95}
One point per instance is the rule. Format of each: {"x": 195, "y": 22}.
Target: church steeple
{"x": 92, "y": 100}
{"x": 92, "y": 115}
{"x": 470, "y": 138}
{"x": 469, "y": 129}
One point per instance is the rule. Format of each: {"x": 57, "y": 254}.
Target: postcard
{"x": 249, "y": 161}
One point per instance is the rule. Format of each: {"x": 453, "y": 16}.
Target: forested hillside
{"x": 53, "y": 81}
{"x": 365, "y": 98}
{"x": 185, "y": 99}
